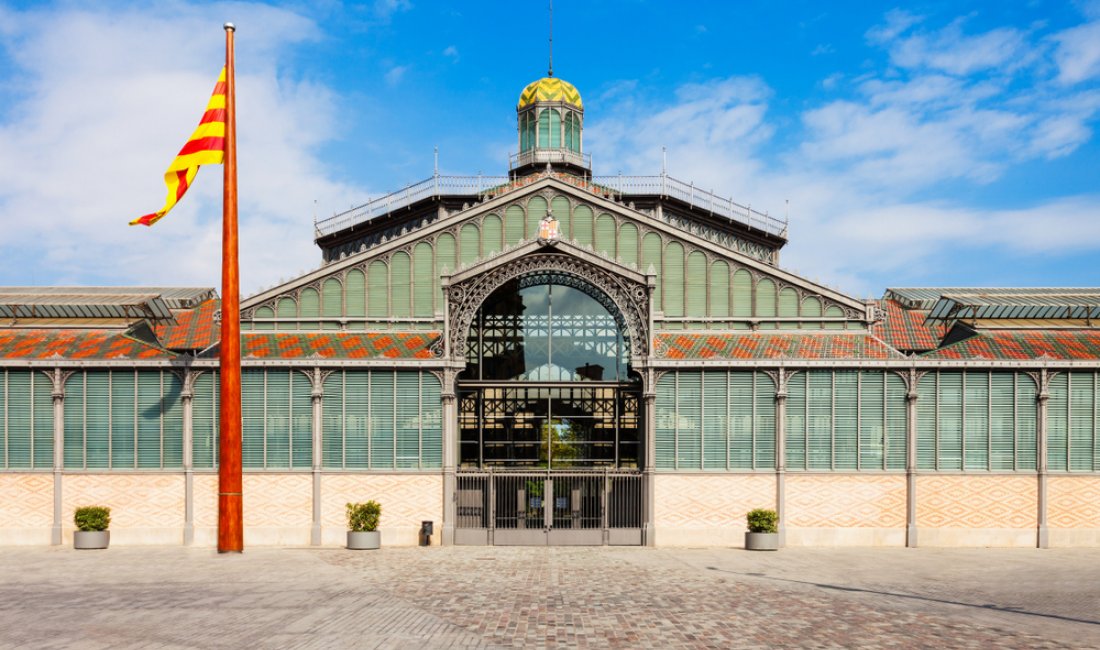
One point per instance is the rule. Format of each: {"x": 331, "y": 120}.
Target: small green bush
{"x": 363, "y": 517}
{"x": 92, "y": 518}
{"x": 763, "y": 521}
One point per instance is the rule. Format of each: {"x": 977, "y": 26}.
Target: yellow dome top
{"x": 550, "y": 89}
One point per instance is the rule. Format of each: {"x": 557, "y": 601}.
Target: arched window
{"x": 555, "y": 129}
{"x": 530, "y": 331}
{"x": 544, "y": 129}
{"x": 547, "y": 381}
{"x": 527, "y": 132}
{"x": 572, "y": 132}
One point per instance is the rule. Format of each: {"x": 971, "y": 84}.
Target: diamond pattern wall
{"x": 710, "y": 501}
{"x": 977, "y": 501}
{"x": 27, "y": 500}
{"x": 841, "y": 501}
{"x": 1073, "y": 502}
{"x": 278, "y": 500}
{"x": 135, "y": 500}
{"x": 406, "y": 499}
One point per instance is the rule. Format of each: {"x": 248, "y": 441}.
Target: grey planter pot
{"x": 85, "y": 539}
{"x": 762, "y": 541}
{"x": 364, "y": 541}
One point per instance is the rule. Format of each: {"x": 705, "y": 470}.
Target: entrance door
{"x": 555, "y": 508}
{"x": 549, "y": 419}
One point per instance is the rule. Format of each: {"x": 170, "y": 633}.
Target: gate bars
{"x": 549, "y": 507}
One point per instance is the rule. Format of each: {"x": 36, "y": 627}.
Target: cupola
{"x": 551, "y": 117}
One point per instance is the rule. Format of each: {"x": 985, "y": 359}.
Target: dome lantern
{"x": 551, "y": 116}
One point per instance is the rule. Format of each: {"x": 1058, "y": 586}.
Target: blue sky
{"x": 935, "y": 143}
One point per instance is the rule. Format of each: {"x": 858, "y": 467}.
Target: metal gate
{"x": 556, "y": 508}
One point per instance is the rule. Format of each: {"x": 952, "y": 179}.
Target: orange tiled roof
{"x": 1024, "y": 345}
{"x": 774, "y": 345}
{"x": 904, "y": 329}
{"x": 195, "y": 329}
{"x": 75, "y": 344}
{"x": 338, "y": 345}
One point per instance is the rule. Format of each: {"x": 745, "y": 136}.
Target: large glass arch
{"x": 548, "y": 381}
{"x": 547, "y": 328}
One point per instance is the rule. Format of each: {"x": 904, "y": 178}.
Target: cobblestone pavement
{"x": 550, "y": 597}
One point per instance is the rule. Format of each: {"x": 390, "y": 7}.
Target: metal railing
{"x": 619, "y": 186}
{"x": 436, "y": 186}
{"x": 666, "y": 186}
{"x": 543, "y": 155}
{"x": 567, "y": 507}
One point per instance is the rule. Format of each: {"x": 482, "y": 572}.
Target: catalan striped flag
{"x": 206, "y": 146}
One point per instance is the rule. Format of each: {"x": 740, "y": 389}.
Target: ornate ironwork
{"x": 626, "y": 300}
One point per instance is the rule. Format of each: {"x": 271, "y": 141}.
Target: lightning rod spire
{"x": 550, "y": 71}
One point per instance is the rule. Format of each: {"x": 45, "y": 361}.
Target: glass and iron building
{"x": 555, "y": 357}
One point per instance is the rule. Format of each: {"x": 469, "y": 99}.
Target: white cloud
{"x": 451, "y": 52}
{"x": 862, "y": 174}
{"x": 898, "y": 21}
{"x": 1078, "y": 53}
{"x": 108, "y": 98}
{"x": 395, "y": 74}
{"x": 385, "y": 9}
{"x": 949, "y": 49}
{"x": 948, "y": 117}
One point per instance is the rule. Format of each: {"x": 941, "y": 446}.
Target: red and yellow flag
{"x": 206, "y": 146}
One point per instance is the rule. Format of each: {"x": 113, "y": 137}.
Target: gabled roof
{"x": 194, "y": 329}
{"x": 153, "y": 303}
{"x": 1032, "y": 304}
{"x": 75, "y": 345}
{"x": 906, "y": 329}
{"x": 599, "y": 197}
{"x": 774, "y": 345}
{"x": 1024, "y": 345}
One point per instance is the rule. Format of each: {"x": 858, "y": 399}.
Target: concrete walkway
{"x": 556, "y": 597}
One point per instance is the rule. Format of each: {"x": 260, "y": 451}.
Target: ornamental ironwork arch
{"x": 627, "y": 300}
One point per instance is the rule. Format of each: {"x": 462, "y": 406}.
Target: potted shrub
{"x": 91, "y": 527}
{"x": 363, "y": 526}
{"x": 763, "y": 532}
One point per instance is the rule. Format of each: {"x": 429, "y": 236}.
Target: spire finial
{"x": 550, "y": 71}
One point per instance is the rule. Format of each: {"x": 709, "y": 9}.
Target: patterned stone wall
{"x": 1073, "y": 510}
{"x": 845, "y": 509}
{"x": 406, "y": 500}
{"x": 278, "y": 508}
{"x": 205, "y": 491}
{"x": 996, "y": 510}
{"x": 26, "y": 508}
{"x": 145, "y": 508}
{"x": 708, "y": 509}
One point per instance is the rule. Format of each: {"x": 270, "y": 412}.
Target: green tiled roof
{"x": 75, "y": 344}
{"x": 1024, "y": 345}
{"x": 774, "y": 345}
{"x": 195, "y": 329}
{"x": 386, "y": 345}
{"x": 905, "y": 329}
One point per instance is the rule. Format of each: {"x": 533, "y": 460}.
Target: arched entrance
{"x": 548, "y": 382}
{"x": 550, "y": 417}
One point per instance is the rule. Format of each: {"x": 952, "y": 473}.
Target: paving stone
{"x": 549, "y": 597}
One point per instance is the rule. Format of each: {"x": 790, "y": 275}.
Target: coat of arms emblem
{"x": 548, "y": 230}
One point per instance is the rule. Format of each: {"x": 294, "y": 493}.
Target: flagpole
{"x": 230, "y": 511}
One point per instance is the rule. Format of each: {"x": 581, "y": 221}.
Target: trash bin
{"x": 426, "y": 533}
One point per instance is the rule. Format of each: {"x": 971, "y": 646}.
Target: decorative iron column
{"x": 317, "y": 394}
{"x": 187, "y": 399}
{"x": 1041, "y": 398}
{"x": 781, "y": 454}
{"x": 450, "y": 454}
{"x": 911, "y": 458}
{"x": 649, "y": 472}
{"x": 57, "y": 377}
